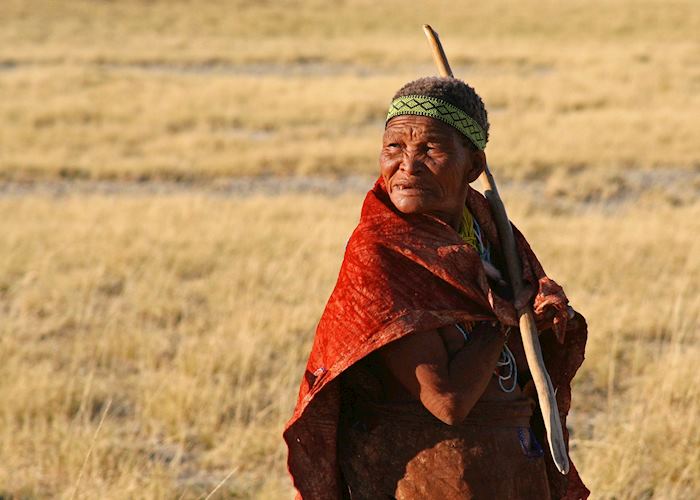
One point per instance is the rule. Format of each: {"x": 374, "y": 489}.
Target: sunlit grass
{"x": 192, "y": 316}
{"x": 182, "y": 321}
{"x": 169, "y": 90}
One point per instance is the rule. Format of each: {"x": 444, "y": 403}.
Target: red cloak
{"x": 409, "y": 273}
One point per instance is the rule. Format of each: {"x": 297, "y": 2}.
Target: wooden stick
{"x": 438, "y": 52}
{"x": 526, "y": 318}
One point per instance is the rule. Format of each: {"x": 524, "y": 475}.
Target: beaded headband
{"x": 442, "y": 110}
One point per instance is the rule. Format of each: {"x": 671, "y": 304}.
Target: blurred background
{"x": 178, "y": 180}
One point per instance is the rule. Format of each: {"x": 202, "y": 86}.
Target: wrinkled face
{"x": 427, "y": 167}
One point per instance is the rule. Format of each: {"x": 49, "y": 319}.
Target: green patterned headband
{"x": 442, "y": 110}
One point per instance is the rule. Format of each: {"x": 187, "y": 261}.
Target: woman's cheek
{"x": 388, "y": 165}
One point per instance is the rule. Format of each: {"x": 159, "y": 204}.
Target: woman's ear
{"x": 478, "y": 164}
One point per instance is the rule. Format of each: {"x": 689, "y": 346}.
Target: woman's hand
{"x": 453, "y": 339}
{"x": 526, "y": 295}
{"x": 493, "y": 273}
{"x": 546, "y": 305}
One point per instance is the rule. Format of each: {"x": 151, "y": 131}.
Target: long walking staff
{"x": 528, "y": 329}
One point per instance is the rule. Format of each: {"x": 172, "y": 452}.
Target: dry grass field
{"x": 180, "y": 89}
{"x": 153, "y": 333}
{"x": 185, "y": 320}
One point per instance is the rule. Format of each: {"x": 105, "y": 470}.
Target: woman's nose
{"x": 411, "y": 162}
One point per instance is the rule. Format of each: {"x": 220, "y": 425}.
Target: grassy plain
{"x": 136, "y": 89}
{"x": 185, "y": 320}
{"x": 151, "y": 344}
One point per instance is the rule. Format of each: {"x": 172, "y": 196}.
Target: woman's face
{"x": 427, "y": 167}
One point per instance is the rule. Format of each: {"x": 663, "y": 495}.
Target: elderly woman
{"x": 417, "y": 385}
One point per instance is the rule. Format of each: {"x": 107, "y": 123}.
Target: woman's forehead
{"x": 419, "y": 127}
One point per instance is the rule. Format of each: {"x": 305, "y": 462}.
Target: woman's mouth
{"x": 409, "y": 189}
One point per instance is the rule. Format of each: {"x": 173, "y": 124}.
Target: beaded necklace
{"x": 506, "y": 368}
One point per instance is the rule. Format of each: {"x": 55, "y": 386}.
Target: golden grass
{"x": 151, "y": 345}
{"x": 156, "y": 306}
{"x": 172, "y": 89}
{"x": 185, "y": 321}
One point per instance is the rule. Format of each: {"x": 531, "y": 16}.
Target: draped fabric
{"x": 400, "y": 450}
{"x": 403, "y": 274}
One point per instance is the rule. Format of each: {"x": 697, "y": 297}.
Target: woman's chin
{"x": 408, "y": 204}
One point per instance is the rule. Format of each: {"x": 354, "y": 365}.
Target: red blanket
{"x": 403, "y": 274}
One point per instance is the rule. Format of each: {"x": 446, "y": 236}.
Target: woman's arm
{"x": 448, "y": 388}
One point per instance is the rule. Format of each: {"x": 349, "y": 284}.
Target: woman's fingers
{"x": 524, "y": 297}
{"x": 452, "y": 338}
{"x": 493, "y": 273}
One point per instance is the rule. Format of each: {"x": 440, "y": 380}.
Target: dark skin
{"x": 427, "y": 166}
